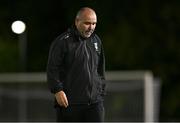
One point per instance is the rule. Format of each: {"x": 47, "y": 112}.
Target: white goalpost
{"x": 148, "y": 87}
{"x": 140, "y": 85}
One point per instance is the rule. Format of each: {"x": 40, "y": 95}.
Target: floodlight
{"x": 18, "y": 27}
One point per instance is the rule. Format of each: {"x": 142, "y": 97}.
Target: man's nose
{"x": 91, "y": 26}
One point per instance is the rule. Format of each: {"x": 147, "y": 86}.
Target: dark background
{"x": 137, "y": 35}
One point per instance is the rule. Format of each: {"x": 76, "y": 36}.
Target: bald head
{"x": 85, "y": 21}
{"x": 84, "y": 12}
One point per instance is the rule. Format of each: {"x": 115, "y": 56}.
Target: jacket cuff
{"x": 57, "y": 88}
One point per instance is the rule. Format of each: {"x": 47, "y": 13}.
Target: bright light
{"x": 18, "y": 27}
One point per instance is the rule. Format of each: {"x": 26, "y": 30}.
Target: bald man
{"x": 75, "y": 71}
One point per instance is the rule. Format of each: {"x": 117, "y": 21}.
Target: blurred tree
{"x": 8, "y": 56}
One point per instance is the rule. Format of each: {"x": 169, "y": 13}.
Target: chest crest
{"x": 96, "y": 46}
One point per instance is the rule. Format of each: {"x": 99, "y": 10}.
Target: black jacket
{"x": 76, "y": 65}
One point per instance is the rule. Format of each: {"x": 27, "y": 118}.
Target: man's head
{"x": 86, "y": 21}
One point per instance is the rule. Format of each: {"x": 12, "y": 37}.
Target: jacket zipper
{"x": 89, "y": 72}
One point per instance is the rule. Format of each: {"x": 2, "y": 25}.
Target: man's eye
{"x": 88, "y": 23}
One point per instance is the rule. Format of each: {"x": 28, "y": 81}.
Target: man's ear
{"x": 76, "y": 22}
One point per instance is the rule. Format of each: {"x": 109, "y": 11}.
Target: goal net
{"x": 131, "y": 96}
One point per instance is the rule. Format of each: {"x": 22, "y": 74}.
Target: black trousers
{"x": 81, "y": 113}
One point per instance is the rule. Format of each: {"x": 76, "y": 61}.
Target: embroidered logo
{"x": 96, "y": 46}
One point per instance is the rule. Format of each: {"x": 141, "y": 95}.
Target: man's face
{"x": 86, "y": 24}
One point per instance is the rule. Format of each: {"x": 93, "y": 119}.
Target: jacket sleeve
{"x": 55, "y": 66}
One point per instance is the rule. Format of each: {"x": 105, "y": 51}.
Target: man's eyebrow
{"x": 90, "y": 22}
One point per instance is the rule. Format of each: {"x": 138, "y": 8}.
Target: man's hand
{"x": 61, "y": 99}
